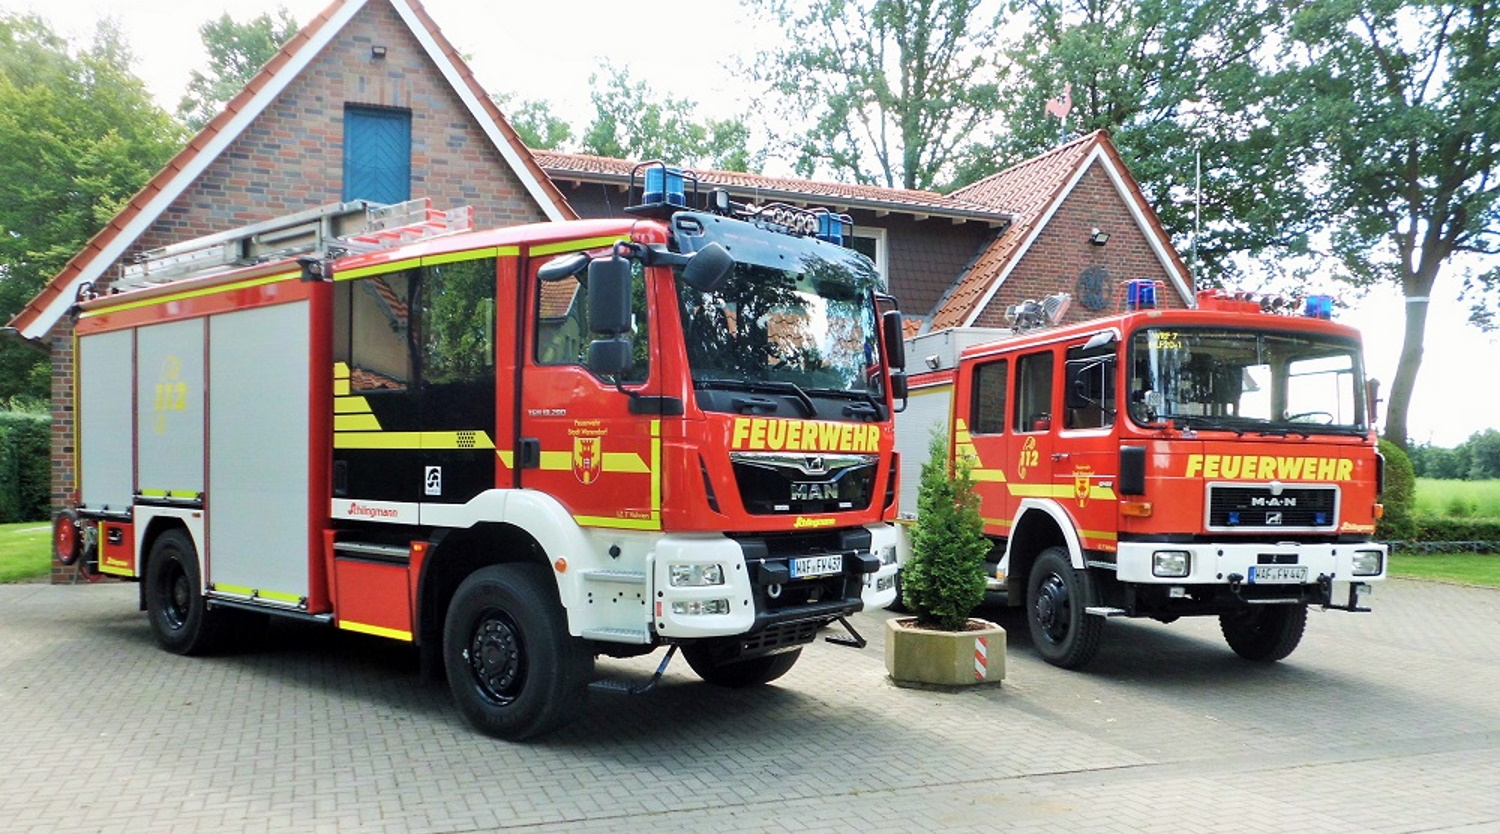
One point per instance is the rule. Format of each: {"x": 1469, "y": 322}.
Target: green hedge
{"x": 1481, "y": 534}
{"x": 25, "y": 467}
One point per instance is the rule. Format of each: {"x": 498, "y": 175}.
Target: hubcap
{"x": 496, "y": 658}
{"x": 179, "y": 597}
{"x": 1052, "y": 609}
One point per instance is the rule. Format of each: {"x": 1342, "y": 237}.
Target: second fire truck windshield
{"x": 1246, "y": 381}
{"x": 811, "y": 332}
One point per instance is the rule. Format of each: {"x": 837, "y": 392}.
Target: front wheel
{"x": 179, "y": 614}
{"x": 1056, "y": 596}
{"x": 739, "y": 673}
{"x": 1265, "y": 633}
{"x": 514, "y": 670}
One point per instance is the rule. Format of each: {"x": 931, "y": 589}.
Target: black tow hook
{"x": 852, "y": 639}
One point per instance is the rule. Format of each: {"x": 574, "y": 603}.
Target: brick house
{"x": 368, "y": 101}
{"x": 1071, "y": 220}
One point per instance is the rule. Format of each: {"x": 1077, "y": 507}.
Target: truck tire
{"x": 1056, "y": 596}
{"x": 1264, "y": 633}
{"x": 175, "y": 605}
{"x": 514, "y": 670}
{"x": 737, "y": 674}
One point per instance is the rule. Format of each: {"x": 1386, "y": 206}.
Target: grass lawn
{"x": 1464, "y": 499}
{"x": 25, "y": 551}
{"x": 1463, "y": 568}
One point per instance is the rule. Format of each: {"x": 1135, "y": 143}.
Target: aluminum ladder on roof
{"x": 334, "y": 229}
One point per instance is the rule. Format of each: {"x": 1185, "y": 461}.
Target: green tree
{"x": 534, "y": 121}
{"x": 80, "y": 135}
{"x": 633, "y": 122}
{"x": 1392, "y": 105}
{"x": 943, "y": 581}
{"x": 892, "y": 92}
{"x": 236, "y": 51}
{"x": 1484, "y": 455}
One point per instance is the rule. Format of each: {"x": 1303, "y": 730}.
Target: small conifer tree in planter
{"x": 943, "y": 582}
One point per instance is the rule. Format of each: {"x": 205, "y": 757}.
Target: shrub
{"x": 1399, "y": 494}
{"x": 943, "y": 581}
{"x": 25, "y": 466}
{"x": 1460, "y": 507}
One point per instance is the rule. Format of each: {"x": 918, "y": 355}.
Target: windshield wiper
{"x": 871, "y": 408}
{"x": 809, "y": 409}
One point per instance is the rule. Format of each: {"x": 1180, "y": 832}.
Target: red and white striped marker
{"x": 981, "y": 658}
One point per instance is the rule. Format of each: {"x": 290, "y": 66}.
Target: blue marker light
{"x": 664, "y": 185}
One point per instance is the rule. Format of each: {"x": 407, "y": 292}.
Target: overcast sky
{"x": 547, "y": 50}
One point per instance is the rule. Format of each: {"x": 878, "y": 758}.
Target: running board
{"x": 1104, "y": 611}
{"x": 852, "y": 639}
{"x": 621, "y": 687}
{"x": 268, "y": 608}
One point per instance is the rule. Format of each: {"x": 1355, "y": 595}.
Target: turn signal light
{"x": 1378, "y": 511}
{"x": 1135, "y": 509}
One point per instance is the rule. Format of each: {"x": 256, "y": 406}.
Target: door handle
{"x": 1057, "y": 456}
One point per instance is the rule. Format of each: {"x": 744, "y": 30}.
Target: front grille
{"x": 772, "y": 484}
{"x": 1262, "y": 508}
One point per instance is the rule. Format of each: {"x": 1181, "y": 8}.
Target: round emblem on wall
{"x": 1091, "y": 288}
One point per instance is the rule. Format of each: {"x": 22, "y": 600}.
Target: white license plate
{"x": 817, "y": 566}
{"x": 1278, "y": 573}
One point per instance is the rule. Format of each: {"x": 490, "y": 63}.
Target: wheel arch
{"x": 457, "y": 553}
{"x": 1039, "y": 524}
{"x": 155, "y": 527}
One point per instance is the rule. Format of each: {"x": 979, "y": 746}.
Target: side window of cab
{"x": 562, "y": 323}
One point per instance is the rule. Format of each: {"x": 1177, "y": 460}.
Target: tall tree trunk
{"x": 1417, "y": 291}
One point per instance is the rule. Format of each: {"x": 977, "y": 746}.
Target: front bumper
{"x": 1214, "y": 575}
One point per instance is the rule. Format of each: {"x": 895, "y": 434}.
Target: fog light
{"x": 696, "y": 576}
{"x": 887, "y": 555}
{"x": 697, "y": 607}
{"x": 885, "y": 583}
{"x": 1368, "y": 562}
{"x": 1171, "y": 563}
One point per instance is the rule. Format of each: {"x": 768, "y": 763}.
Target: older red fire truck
{"x": 1161, "y": 463}
{"x": 518, "y": 449}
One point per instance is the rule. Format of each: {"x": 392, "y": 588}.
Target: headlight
{"x": 696, "y": 576}
{"x": 696, "y": 607}
{"x": 887, "y": 555}
{"x": 1368, "y": 562}
{"x": 1171, "y": 563}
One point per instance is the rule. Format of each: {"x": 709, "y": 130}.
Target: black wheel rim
{"x": 1052, "y": 608}
{"x": 177, "y": 595}
{"x": 496, "y": 658}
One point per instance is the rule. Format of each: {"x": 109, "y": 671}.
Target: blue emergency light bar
{"x": 1140, "y": 294}
{"x": 664, "y": 185}
{"x": 1319, "y": 307}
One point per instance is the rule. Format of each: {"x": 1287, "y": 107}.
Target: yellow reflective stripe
{"x": 341, "y": 387}
{"x": 377, "y": 269}
{"x": 169, "y": 493}
{"x": 355, "y": 422}
{"x": 627, "y": 462}
{"x": 470, "y": 255}
{"x": 1099, "y": 493}
{"x": 1106, "y": 535}
{"x": 618, "y": 523}
{"x": 341, "y": 370}
{"x": 105, "y": 567}
{"x": 411, "y": 439}
{"x": 507, "y": 459}
{"x": 997, "y": 522}
{"x": 182, "y": 296}
{"x": 256, "y": 593}
{"x": 351, "y": 405}
{"x": 575, "y": 245}
{"x": 378, "y": 631}
{"x": 987, "y": 476}
{"x": 656, "y": 471}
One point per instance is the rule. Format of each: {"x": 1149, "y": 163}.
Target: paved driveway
{"x": 1384, "y": 722}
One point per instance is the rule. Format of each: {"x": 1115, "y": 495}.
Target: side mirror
{"x": 610, "y": 357}
{"x": 707, "y": 270}
{"x": 609, "y": 296}
{"x": 1372, "y": 405}
{"x": 563, "y": 266}
{"x": 895, "y": 338}
{"x": 900, "y": 390}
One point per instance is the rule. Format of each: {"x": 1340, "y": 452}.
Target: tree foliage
{"x": 535, "y": 122}
{"x": 80, "y": 134}
{"x": 632, "y": 121}
{"x": 1393, "y": 102}
{"x": 890, "y": 92}
{"x": 943, "y": 581}
{"x": 236, "y": 51}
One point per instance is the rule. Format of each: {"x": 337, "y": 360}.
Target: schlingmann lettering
{"x": 764, "y": 433}
{"x": 1269, "y": 467}
{"x": 371, "y": 512}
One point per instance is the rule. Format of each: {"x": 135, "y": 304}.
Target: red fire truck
{"x": 1161, "y": 463}
{"x": 518, "y": 449}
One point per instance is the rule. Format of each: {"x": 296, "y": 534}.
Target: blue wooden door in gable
{"x": 377, "y": 154}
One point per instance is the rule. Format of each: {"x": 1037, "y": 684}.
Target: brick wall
{"x": 1062, "y": 259}
{"x": 291, "y": 158}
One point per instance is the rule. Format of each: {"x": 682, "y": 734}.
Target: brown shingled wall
{"x": 291, "y": 159}
{"x": 1061, "y": 254}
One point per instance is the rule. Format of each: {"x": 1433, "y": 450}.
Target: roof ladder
{"x": 336, "y": 229}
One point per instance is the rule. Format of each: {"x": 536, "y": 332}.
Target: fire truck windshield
{"x": 1255, "y": 381}
{"x": 808, "y": 331}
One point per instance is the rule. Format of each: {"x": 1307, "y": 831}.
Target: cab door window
{"x": 987, "y": 406}
{"x": 1033, "y": 411}
{"x": 562, "y": 324}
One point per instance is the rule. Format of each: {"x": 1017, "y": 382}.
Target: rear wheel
{"x": 1264, "y": 633}
{"x": 175, "y": 604}
{"x": 739, "y": 673}
{"x": 514, "y": 670}
{"x": 1056, "y": 596}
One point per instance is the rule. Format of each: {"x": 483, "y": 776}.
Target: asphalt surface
{"x": 1380, "y": 722}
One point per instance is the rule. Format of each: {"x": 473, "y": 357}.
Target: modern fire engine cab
{"x": 1217, "y": 460}
{"x": 518, "y": 449}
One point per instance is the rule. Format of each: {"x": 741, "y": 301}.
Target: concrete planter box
{"x": 922, "y": 657}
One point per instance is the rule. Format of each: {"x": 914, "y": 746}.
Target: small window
{"x": 1089, "y": 396}
{"x": 1034, "y": 393}
{"x": 562, "y": 324}
{"x": 375, "y": 345}
{"x": 457, "y": 338}
{"x": 987, "y": 414}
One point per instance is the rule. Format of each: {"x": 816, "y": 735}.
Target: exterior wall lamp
{"x": 1098, "y": 238}
{"x": 377, "y": 53}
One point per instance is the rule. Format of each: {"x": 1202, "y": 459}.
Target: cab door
{"x": 585, "y": 440}
{"x": 1031, "y": 441}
